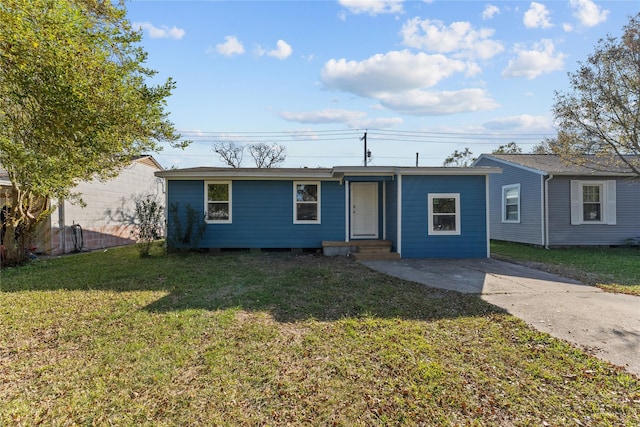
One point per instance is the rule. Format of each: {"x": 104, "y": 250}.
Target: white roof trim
{"x": 475, "y": 170}
{"x": 327, "y": 174}
{"x": 240, "y": 175}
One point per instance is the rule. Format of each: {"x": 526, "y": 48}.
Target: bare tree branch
{"x": 230, "y": 153}
{"x": 267, "y": 156}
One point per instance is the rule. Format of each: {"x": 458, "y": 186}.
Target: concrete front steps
{"x": 360, "y": 250}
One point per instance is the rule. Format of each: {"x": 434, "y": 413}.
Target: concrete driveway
{"x": 606, "y": 325}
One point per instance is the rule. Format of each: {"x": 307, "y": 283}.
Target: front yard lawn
{"x": 612, "y": 269}
{"x": 109, "y": 338}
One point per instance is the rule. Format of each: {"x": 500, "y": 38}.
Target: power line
{"x": 409, "y": 136}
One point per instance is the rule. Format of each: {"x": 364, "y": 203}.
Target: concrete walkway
{"x": 606, "y": 325}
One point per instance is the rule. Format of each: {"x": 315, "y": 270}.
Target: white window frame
{"x": 430, "y": 198}
{"x": 207, "y": 201}
{"x": 607, "y": 202}
{"x": 506, "y": 188}
{"x": 296, "y": 202}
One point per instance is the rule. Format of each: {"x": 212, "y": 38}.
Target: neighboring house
{"x": 108, "y": 215}
{"x": 421, "y": 211}
{"x": 541, "y": 200}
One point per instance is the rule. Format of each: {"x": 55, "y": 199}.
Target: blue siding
{"x": 391, "y": 188}
{"x": 530, "y": 228}
{"x": 417, "y": 243}
{"x": 262, "y": 215}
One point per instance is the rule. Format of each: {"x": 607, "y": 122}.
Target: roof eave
{"x": 594, "y": 173}
{"x": 472, "y": 170}
{"x": 514, "y": 164}
{"x": 272, "y": 174}
{"x": 336, "y": 173}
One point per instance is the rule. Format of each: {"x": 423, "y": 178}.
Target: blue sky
{"x": 425, "y": 77}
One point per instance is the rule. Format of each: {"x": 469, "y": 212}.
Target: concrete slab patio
{"x": 606, "y": 325}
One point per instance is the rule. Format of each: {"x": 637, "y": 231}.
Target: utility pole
{"x": 417, "y": 154}
{"x": 364, "y": 138}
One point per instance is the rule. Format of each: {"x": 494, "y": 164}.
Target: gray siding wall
{"x": 529, "y": 229}
{"x": 562, "y": 233}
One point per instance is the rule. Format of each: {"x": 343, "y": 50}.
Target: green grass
{"x": 612, "y": 269}
{"x": 109, "y": 338}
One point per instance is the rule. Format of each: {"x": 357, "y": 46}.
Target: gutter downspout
{"x": 487, "y": 214}
{"x": 545, "y": 224}
{"x": 399, "y": 216}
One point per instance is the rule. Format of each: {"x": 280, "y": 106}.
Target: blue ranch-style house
{"x": 422, "y": 212}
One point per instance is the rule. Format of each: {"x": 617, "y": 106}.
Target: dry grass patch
{"x": 277, "y": 339}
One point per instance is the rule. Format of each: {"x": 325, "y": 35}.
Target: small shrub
{"x": 184, "y": 233}
{"x": 148, "y": 224}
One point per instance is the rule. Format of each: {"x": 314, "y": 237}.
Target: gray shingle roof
{"x": 552, "y": 164}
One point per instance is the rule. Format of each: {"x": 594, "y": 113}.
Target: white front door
{"x": 364, "y": 210}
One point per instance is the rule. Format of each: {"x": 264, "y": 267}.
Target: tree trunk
{"x": 25, "y": 213}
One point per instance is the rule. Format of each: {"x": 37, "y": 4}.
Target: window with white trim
{"x": 306, "y": 203}
{"x": 593, "y": 202}
{"x": 511, "y": 203}
{"x": 218, "y": 201}
{"x": 444, "y": 213}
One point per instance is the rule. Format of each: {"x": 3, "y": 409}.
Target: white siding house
{"x": 107, "y": 219}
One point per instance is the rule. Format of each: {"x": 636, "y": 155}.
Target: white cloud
{"x": 378, "y": 123}
{"x": 323, "y": 117}
{"x": 305, "y": 134}
{"x": 537, "y": 16}
{"x": 459, "y": 37}
{"x": 588, "y": 13}
{"x": 354, "y": 119}
{"x": 521, "y": 123}
{"x": 231, "y": 46}
{"x": 282, "y": 51}
{"x": 473, "y": 69}
{"x": 541, "y": 59}
{"x": 390, "y": 72}
{"x": 398, "y": 80}
{"x": 162, "y": 32}
{"x": 567, "y": 27}
{"x": 490, "y": 11}
{"x": 372, "y": 7}
{"x": 434, "y": 103}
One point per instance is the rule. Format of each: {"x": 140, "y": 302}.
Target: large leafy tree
{"x": 601, "y": 114}
{"x": 74, "y": 103}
